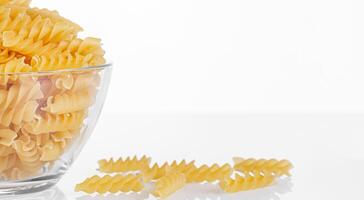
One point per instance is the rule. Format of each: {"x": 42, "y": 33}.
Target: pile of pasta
{"x": 41, "y": 113}
{"x": 133, "y": 173}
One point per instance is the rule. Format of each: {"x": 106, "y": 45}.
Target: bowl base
{"x": 28, "y": 186}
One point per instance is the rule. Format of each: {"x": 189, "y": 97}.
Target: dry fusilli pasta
{"x": 169, "y": 184}
{"x": 120, "y": 165}
{"x": 69, "y": 102}
{"x": 54, "y": 123}
{"x": 155, "y": 172}
{"x": 249, "y": 182}
{"x": 209, "y": 173}
{"x": 277, "y": 167}
{"x": 113, "y": 184}
{"x": 62, "y": 61}
{"x": 7, "y": 136}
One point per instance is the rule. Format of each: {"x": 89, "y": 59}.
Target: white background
{"x": 209, "y": 79}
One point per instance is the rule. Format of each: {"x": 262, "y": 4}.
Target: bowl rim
{"x": 68, "y": 70}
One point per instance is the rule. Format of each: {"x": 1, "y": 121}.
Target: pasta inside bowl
{"x": 45, "y": 119}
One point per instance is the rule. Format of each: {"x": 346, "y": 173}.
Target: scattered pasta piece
{"x": 277, "y": 167}
{"x": 113, "y": 184}
{"x": 209, "y": 173}
{"x": 169, "y": 184}
{"x": 155, "y": 172}
{"x": 120, "y": 165}
{"x": 249, "y": 182}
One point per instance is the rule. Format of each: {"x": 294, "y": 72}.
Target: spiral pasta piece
{"x": 28, "y": 153}
{"x": 63, "y": 137}
{"x": 69, "y": 102}
{"x": 183, "y": 166}
{"x": 55, "y": 123}
{"x": 120, "y": 165}
{"x": 249, "y": 182}
{"x": 15, "y": 65}
{"x": 5, "y": 150}
{"x": 19, "y": 103}
{"x": 62, "y": 61}
{"x": 51, "y": 151}
{"x": 24, "y": 3}
{"x": 112, "y": 184}
{"x": 64, "y": 81}
{"x": 85, "y": 81}
{"x": 277, "y": 167}
{"x": 7, "y": 137}
{"x": 6, "y": 55}
{"x": 155, "y": 172}
{"x": 169, "y": 184}
{"x": 52, "y": 15}
{"x": 209, "y": 173}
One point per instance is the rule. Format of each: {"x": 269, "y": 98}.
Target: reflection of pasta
{"x": 249, "y": 182}
{"x": 120, "y": 165}
{"x": 277, "y": 167}
{"x": 209, "y": 174}
{"x": 114, "y": 184}
{"x": 169, "y": 184}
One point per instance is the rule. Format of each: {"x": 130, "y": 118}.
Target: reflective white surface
{"x": 326, "y": 150}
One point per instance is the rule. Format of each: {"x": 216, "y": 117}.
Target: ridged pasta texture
{"x": 169, "y": 184}
{"x": 155, "y": 172}
{"x": 69, "y": 102}
{"x": 277, "y": 167}
{"x": 44, "y": 100}
{"x": 113, "y": 184}
{"x": 120, "y": 165}
{"x": 247, "y": 182}
{"x": 209, "y": 173}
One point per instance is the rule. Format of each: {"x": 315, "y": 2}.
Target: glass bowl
{"x": 45, "y": 120}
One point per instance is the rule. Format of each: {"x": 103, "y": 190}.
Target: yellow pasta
{"x": 18, "y": 104}
{"x": 28, "y": 153}
{"x": 209, "y": 173}
{"x": 249, "y": 182}
{"x": 113, "y": 184}
{"x": 85, "y": 81}
{"x": 62, "y": 61}
{"x": 52, "y": 15}
{"x": 51, "y": 151}
{"x": 16, "y": 2}
{"x": 69, "y": 102}
{"x": 64, "y": 81}
{"x": 6, "y": 55}
{"x": 7, "y": 162}
{"x": 155, "y": 172}
{"x": 277, "y": 167}
{"x": 15, "y": 65}
{"x": 183, "y": 166}
{"x": 54, "y": 123}
{"x": 63, "y": 137}
{"x": 120, "y": 165}
{"x": 7, "y": 137}
{"x": 5, "y": 150}
{"x": 169, "y": 184}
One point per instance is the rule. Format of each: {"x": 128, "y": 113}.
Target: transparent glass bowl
{"x": 45, "y": 120}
